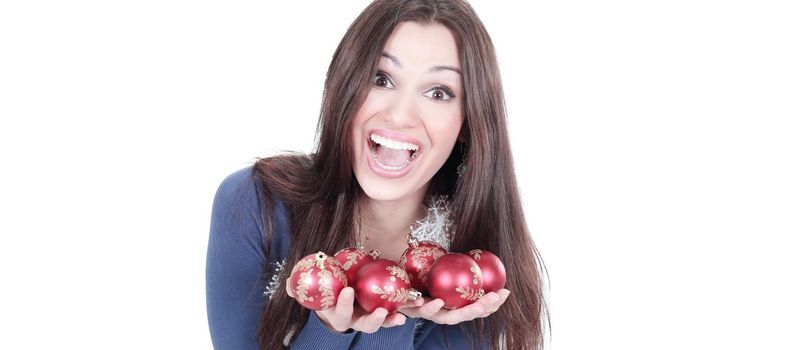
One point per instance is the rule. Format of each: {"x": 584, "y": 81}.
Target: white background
{"x": 652, "y": 140}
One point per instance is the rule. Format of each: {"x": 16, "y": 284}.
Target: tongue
{"x": 392, "y": 157}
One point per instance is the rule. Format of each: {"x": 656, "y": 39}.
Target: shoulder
{"x": 236, "y": 206}
{"x": 236, "y": 203}
{"x": 241, "y": 204}
{"x": 238, "y": 184}
{"x": 240, "y": 190}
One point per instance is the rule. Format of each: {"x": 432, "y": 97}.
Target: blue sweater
{"x": 235, "y": 283}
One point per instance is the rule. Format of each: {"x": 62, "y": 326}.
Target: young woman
{"x": 412, "y": 128}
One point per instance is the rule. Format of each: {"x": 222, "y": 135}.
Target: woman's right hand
{"x": 346, "y": 315}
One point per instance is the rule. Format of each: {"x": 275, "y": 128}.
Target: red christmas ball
{"x": 316, "y": 281}
{"x": 352, "y": 259}
{"x": 383, "y": 283}
{"x": 418, "y": 259}
{"x": 456, "y": 279}
{"x": 494, "y": 276}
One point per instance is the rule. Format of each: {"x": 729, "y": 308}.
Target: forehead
{"x": 418, "y": 44}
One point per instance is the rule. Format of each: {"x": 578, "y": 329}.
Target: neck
{"x": 385, "y": 224}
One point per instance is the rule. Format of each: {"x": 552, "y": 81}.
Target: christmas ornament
{"x": 316, "y": 281}
{"x": 456, "y": 279}
{"x": 383, "y": 283}
{"x": 418, "y": 259}
{"x": 352, "y": 259}
{"x": 493, "y": 271}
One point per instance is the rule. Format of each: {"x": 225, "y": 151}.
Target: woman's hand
{"x": 346, "y": 315}
{"x": 433, "y": 309}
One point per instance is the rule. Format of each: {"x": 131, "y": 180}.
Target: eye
{"x": 382, "y": 79}
{"x": 440, "y": 93}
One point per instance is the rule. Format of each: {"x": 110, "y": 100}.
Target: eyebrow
{"x": 432, "y": 69}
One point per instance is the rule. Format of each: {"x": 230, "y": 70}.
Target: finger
{"x": 496, "y": 300}
{"x": 395, "y": 319}
{"x": 418, "y": 302}
{"x": 413, "y": 305}
{"x": 289, "y": 288}
{"x": 466, "y": 313}
{"x": 490, "y": 303}
{"x": 483, "y": 307}
{"x": 344, "y": 304}
{"x": 423, "y": 311}
{"x": 503, "y": 294}
{"x": 338, "y": 317}
{"x": 370, "y": 323}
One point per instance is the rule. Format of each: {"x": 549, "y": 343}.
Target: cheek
{"x": 372, "y": 104}
{"x": 443, "y": 127}
{"x": 364, "y": 112}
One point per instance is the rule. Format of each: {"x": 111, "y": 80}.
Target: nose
{"x": 402, "y": 111}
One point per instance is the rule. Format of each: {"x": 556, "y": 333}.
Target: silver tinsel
{"x": 437, "y": 225}
{"x": 275, "y": 280}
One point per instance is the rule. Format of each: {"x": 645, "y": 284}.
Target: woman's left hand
{"x": 433, "y": 309}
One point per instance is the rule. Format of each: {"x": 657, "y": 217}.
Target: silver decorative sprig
{"x": 275, "y": 280}
{"x": 437, "y": 225}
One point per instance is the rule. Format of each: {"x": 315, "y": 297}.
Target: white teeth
{"x": 392, "y": 143}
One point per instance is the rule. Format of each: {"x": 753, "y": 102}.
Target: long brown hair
{"x": 320, "y": 191}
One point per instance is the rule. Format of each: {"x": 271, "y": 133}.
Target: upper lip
{"x": 397, "y": 136}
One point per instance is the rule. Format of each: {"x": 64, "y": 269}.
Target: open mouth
{"x": 390, "y": 154}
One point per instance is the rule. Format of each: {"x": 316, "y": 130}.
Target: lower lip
{"x": 389, "y": 174}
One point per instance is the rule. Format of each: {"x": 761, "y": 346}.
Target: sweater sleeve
{"x": 235, "y": 267}
{"x": 235, "y": 263}
{"x": 434, "y": 336}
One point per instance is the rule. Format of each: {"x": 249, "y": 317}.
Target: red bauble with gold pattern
{"x": 494, "y": 276}
{"x": 352, "y": 259}
{"x": 383, "y": 283}
{"x": 456, "y": 279}
{"x": 418, "y": 259}
{"x": 316, "y": 281}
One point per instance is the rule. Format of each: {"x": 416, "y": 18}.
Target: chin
{"x": 383, "y": 193}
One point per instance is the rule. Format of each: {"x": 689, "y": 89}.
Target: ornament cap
{"x": 413, "y": 242}
{"x": 321, "y": 257}
{"x": 414, "y": 294}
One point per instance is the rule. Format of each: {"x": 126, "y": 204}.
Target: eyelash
{"x": 442, "y": 88}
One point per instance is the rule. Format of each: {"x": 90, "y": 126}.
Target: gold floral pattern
{"x": 477, "y": 274}
{"x": 340, "y": 274}
{"x": 304, "y": 264}
{"x": 419, "y": 259}
{"x": 326, "y": 289}
{"x": 303, "y": 285}
{"x": 391, "y": 294}
{"x": 468, "y": 293}
{"x": 351, "y": 259}
{"x": 399, "y": 272}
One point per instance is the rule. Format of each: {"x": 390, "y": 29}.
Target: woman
{"x": 412, "y": 116}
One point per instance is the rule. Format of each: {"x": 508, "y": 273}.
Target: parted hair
{"x": 320, "y": 191}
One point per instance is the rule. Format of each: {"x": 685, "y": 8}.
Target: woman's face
{"x": 412, "y": 116}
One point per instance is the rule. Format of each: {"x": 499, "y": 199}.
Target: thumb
{"x": 289, "y": 287}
